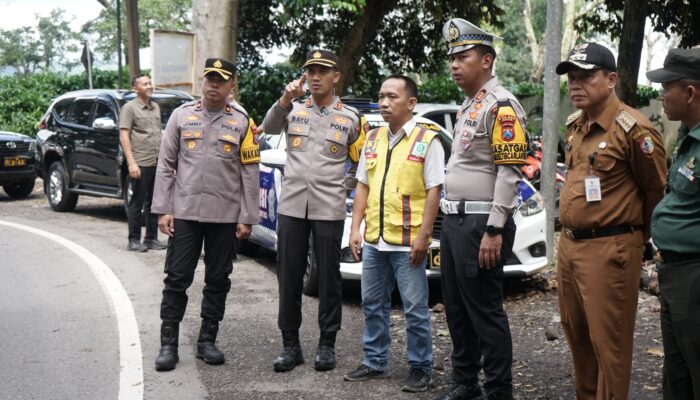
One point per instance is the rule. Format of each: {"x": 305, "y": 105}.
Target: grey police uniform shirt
{"x": 433, "y": 172}
{"x": 200, "y": 174}
{"x": 471, "y": 173}
{"x": 317, "y": 150}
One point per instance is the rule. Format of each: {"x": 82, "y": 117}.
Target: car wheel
{"x": 60, "y": 199}
{"x": 310, "y": 287}
{"x": 20, "y": 190}
{"x": 246, "y": 247}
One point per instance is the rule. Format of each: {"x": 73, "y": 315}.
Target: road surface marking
{"x": 130, "y": 356}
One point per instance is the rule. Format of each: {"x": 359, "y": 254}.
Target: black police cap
{"x": 220, "y": 66}
{"x": 588, "y": 56}
{"x": 321, "y": 57}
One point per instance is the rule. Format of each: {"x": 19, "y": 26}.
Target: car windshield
{"x": 167, "y": 103}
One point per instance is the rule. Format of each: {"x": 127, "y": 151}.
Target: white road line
{"x": 130, "y": 356}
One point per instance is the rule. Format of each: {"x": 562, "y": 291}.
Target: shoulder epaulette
{"x": 573, "y": 117}
{"x": 240, "y": 108}
{"x": 353, "y": 110}
{"x": 626, "y": 121}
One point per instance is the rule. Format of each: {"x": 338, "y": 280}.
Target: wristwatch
{"x": 493, "y": 231}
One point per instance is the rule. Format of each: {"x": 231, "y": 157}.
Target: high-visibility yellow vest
{"x": 396, "y": 187}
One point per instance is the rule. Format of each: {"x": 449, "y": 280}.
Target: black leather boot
{"x": 167, "y": 356}
{"x": 325, "y": 353}
{"x": 206, "y": 349}
{"x": 291, "y": 356}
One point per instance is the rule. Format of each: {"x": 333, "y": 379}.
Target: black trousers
{"x": 141, "y": 200}
{"x": 181, "y": 260}
{"x": 680, "y": 327}
{"x": 293, "y": 249}
{"x": 473, "y": 299}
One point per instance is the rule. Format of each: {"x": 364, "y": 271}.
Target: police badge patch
{"x": 508, "y": 141}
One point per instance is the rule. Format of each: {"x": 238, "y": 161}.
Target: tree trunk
{"x": 360, "y": 34}
{"x": 550, "y": 125}
{"x": 216, "y": 25}
{"x": 570, "y": 35}
{"x": 536, "y": 49}
{"x": 631, "y": 42}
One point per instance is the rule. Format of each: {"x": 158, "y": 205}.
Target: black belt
{"x": 673, "y": 257}
{"x": 578, "y": 234}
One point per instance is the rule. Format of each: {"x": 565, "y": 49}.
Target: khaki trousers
{"x": 598, "y": 286}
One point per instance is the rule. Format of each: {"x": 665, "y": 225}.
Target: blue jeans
{"x": 379, "y": 271}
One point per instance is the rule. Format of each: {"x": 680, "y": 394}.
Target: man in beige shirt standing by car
{"x": 140, "y": 136}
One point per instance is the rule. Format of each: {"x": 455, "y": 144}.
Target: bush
{"x": 261, "y": 87}
{"x": 440, "y": 89}
{"x": 24, "y": 100}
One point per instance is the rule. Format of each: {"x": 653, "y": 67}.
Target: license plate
{"x": 14, "y": 162}
{"x": 434, "y": 258}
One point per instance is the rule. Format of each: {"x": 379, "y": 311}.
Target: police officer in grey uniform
{"x": 478, "y": 230}
{"x": 322, "y": 133}
{"x": 206, "y": 190}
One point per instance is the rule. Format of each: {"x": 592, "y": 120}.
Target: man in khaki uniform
{"x": 616, "y": 175}
{"x": 481, "y": 191}
{"x": 322, "y": 133}
{"x": 207, "y": 190}
{"x": 140, "y": 136}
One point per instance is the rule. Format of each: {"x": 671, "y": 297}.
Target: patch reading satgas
{"x": 508, "y": 142}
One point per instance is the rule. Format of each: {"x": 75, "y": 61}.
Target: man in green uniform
{"x": 675, "y": 228}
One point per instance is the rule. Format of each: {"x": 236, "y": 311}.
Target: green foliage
{"x": 153, "y": 14}
{"x": 525, "y": 89}
{"x": 24, "y": 100}
{"x": 262, "y": 86}
{"x": 440, "y": 89}
{"x": 668, "y": 16}
{"x": 26, "y": 49}
{"x": 645, "y": 94}
{"x": 19, "y": 49}
{"x": 514, "y": 61}
{"x": 56, "y": 38}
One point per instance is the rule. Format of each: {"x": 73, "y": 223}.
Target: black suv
{"x": 78, "y": 149}
{"x": 17, "y": 164}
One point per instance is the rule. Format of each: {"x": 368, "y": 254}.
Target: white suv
{"x": 529, "y": 248}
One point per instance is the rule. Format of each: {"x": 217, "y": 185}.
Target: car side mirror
{"x": 105, "y": 123}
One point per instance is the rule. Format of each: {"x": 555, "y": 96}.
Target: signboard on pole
{"x": 172, "y": 60}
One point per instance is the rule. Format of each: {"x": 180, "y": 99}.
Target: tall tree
{"x": 630, "y": 51}
{"x": 407, "y": 38}
{"x": 153, "y": 14}
{"x": 56, "y": 39}
{"x": 19, "y": 49}
{"x": 216, "y": 26}
{"x": 621, "y": 18}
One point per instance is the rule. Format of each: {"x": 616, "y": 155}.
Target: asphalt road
{"x": 79, "y": 319}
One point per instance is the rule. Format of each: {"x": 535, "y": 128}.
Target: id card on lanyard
{"x": 592, "y": 182}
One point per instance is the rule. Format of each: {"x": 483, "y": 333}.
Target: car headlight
{"x": 533, "y": 205}
{"x": 32, "y": 146}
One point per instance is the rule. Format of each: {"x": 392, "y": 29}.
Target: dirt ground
{"x": 541, "y": 366}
